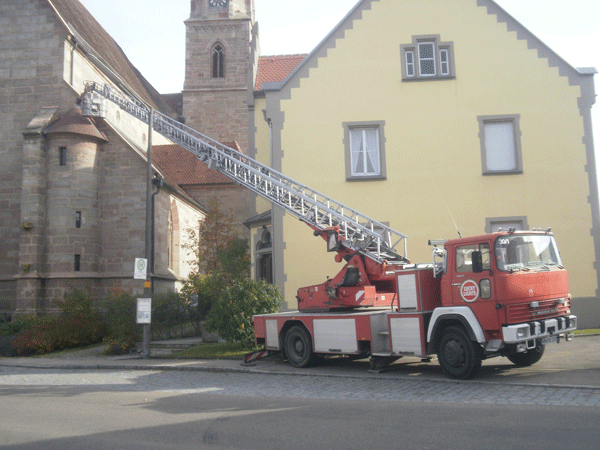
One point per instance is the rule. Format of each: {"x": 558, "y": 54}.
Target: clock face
{"x": 218, "y": 3}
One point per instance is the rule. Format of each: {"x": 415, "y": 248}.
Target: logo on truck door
{"x": 469, "y": 291}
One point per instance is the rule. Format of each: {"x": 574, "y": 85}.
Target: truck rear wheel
{"x": 458, "y": 355}
{"x": 298, "y": 347}
{"x": 527, "y": 358}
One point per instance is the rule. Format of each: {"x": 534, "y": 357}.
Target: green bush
{"x": 169, "y": 316}
{"x": 19, "y": 323}
{"x": 122, "y": 331}
{"x": 231, "y": 315}
{"x": 79, "y": 323}
{"x": 198, "y": 295}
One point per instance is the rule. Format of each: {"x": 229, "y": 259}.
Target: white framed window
{"x": 410, "y": 63}
{"x": 364, "y": 144}
{"x": 365, "y": 155}
{"x": 444, "y": 62}
{"x": 500, "y": 144}
{"x": 427, "y": 58}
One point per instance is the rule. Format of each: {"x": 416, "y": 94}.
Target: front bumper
{"x": 539, "y": 329}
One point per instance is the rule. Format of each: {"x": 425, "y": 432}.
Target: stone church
{"x": 73, "y": 188}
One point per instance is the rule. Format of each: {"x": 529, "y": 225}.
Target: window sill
{"x": 436, "y": 78}
{"x": 503, "y": 172}
{"x": 367, "y": 178}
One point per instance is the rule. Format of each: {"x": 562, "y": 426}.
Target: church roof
{"x": 74, "y": 123}
{"x": 183, "y": 168}
{"x": 276, "y": 68}
{"x": 73, "y": 14}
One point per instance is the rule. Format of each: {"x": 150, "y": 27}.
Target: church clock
{"x": 218, "y": 3}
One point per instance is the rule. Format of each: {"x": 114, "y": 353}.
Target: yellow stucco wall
{"x": 262, "y": 141}
{"x": 432, "y": 137}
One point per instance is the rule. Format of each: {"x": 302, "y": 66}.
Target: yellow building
{"x": 432, "y": 116}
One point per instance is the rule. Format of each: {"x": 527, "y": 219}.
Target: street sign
{"x": 141, "y": 268}
{"x": 144, "y": 310}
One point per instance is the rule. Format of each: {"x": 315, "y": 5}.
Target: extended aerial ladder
{"x": 357, "y": 232}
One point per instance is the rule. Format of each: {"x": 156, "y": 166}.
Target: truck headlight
{"x": 522, "y": 332}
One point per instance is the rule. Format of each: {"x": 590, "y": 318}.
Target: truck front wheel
{"x": 458, "y": 355}
{"x": 527, "y": 358}
{"x": 298, "y": 347}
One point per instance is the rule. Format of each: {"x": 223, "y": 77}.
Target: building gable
{"x": 354, "y": 91}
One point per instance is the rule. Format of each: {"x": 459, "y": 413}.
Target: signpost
{"x": 144, "y": 310}
{"x": 140, "y": 269}
{"x": 144, "y": 305}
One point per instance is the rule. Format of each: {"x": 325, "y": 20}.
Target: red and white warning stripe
{"x": 250, "y": 357}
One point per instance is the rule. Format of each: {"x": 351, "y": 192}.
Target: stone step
{"x": 167, "y": 347}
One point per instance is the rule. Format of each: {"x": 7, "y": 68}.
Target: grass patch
{"x": 216, "y": 350}
{"x": 590, "y": 331}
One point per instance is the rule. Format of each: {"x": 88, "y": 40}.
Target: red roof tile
{"x": 73, "y": 122}
{"x": 182, "y": 167}
{"x": 276, "y": 68}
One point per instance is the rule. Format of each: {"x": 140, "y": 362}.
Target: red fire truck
{"x": 500, "y": 294}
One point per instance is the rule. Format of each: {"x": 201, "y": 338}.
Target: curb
{"x": 245, "y": 370}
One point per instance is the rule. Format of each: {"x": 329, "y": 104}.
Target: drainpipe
{"x": 158, "y": 182}
{"x": 271, "y": 158}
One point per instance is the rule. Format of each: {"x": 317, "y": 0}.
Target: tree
{"x": 220, "y": 258}
{"x": 214, "y": 235}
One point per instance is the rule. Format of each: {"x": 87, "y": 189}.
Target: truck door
{"x": 473, "y": 283}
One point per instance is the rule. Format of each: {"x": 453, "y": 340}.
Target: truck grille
{"x": 523, "y": 312}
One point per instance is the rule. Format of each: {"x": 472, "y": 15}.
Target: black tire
{"x": 527, "y": 358}
{"x": 458, "y": 355}
{"x": 298, "y": 347}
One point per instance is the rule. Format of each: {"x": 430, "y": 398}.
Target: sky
{"x": 152, "y": 32}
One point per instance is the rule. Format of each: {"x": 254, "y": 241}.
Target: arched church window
{"x": 218, "y": 61}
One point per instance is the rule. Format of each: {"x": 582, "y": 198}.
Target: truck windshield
{"x": 519, "y": 252}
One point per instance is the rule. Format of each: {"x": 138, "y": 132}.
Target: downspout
{"x": 264, "y": 111}
{"x": 270, "y": 123}
{"x": 158, "y": 182}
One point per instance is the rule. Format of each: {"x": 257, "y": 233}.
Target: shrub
{"x": 232, "y": 314}
{"x": 19, "y": 323}
{"x": 79, "y": 324}
{"x": 6, "y": 346}
{"x": 198, "y": 295}
{"x": 122, "y": 331}
{"x": 169, "y": 316}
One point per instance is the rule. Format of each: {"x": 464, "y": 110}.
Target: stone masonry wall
{"x": 31, "y": 41}
{"x": 122, "y": 204}
{"x": 217, "y": 107}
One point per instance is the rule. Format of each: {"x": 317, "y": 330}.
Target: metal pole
{"x": 149, "y": 224}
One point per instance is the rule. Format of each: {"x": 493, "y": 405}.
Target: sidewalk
{"x": 573, "y": 364}
{"x": 94, "y": 358}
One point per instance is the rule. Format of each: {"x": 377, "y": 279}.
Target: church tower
{"x": 218, "y": 63}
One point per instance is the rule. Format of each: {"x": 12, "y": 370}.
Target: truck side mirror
{"x": 476, "y": 262}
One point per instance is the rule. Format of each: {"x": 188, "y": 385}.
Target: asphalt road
{"x": 111, "y": 409}
{"x": 575, "y": 363}
{"x": 554, "y": 404}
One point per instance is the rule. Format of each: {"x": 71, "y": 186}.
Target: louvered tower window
{"x": 218, "y": 61}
